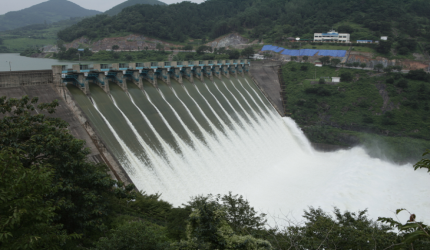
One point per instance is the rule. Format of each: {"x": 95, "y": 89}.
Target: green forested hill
{"x": 386, "y": 110}
{"x": 46, "y": 12}
{"x": 117, "y": 9}
{"x": 271, "y": 20}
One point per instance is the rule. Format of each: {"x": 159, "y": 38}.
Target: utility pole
{"x": 10, "y": 65}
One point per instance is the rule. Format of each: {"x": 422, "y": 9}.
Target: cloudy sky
{"x": 100, "y": 5}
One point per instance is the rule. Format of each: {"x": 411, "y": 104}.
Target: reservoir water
{"x": 27, "y": 63}
{"x": 215, "y": 137}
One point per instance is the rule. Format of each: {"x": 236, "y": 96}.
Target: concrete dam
{"x": 199, "y": 127}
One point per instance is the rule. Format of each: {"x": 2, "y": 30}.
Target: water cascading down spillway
{"x": 221, "y": 134}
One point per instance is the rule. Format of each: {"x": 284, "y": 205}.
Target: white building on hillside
{"x": 332, "y": 36}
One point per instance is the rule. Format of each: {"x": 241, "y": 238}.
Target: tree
{"x": 26, "y": 217}
{"x": 85, "y": 190}
{"x": 304, "y": 68}
{"x": 413, "y": 233}
{"x": 384, "y": 47}
{"x": 325, "y": 60}
{"x": 115, "y": 47}
{"x": 345, "y": 29}
{"x": 402, "y": 84}
{"x": 418, "y": 74}
{"x": 135, "y": 235}
{"x": 390, "y": 81}
{"x": 159, "y": 46}
{"x": 247, "y": 52}
{"x": 363, "y": 65}
{"x": 187, "y": 47}
{"x": 305, "y": 58}
{"x": 348, "y": 230}
{"x": 379, "y": 66}
{"x": 294, "y": 58}
{"x": 388, "y": 70}
{"x": 403, "y": 51}
{"x": 346, "y": 77}
{"x": 321, "y": 81}
{"x": 356, "y": 64}
{"x": 202, "y": 49}
{"x": 398, "y": 68}
{"x": 209, "y": 225}
{"x": 335, "y": 61}
{"x": 234, "y": 54}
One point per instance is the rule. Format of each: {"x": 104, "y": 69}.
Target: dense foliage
{"x": 388, "y": 104}
{"x": 272, "y": 20}
{"x": 74, "y": 197}
{"x": 50, "y": 11}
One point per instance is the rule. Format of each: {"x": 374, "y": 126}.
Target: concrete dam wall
{"x": 79, "y": 98}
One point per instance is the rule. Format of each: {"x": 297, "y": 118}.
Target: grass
{"x": 357, "y": 106}
{"x": 21, "y": 44}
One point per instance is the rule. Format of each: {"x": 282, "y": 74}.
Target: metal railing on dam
{"x": 101, "y": 74}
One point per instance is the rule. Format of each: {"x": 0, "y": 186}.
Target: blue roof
{"x": 304, "y": 52}
{"x": 364, "y": 41}
{"x": 330, "y": 34}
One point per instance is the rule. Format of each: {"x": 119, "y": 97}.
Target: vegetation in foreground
{"x": 392, "y": 105}
{"x": 51, "y": 197}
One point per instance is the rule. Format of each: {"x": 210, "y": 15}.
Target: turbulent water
{"x": 221, "y": 136}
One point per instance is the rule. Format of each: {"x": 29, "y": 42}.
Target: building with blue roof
{"x": 332, "y": 36}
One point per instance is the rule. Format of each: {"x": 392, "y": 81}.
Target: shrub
{"x": 403, "y": 51}
{"x": 139, "y": 234}
{"x": 390, "y": 80}
{"x": 397, "y": 76}
{"x": 346, "y": 77}
{"x": 367, "y": 119}
{"x": 402, "y": 84}
{"x": 301, "y": 102}
{"x": 320, "y": 90}
{"x": 419, "y": 74}
{"x": 388, "y": 119}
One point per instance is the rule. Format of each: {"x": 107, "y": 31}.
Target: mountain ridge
{"x": 118, "y": 8}
{"x": 49, "y": 11}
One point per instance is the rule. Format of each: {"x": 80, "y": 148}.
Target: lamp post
{"x": 10, "y": 65}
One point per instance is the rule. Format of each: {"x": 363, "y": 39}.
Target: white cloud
{"x": 100, "y": 5}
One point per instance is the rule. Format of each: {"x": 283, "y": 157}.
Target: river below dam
{"x": 215, "y": 137}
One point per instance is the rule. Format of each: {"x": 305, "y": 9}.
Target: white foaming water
{"x": 273, "y": 165}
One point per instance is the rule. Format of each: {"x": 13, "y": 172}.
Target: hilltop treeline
{"x": 269, "y": 19}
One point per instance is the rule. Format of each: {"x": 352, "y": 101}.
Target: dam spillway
{"x": 199, "y": 135}
{"x": 185, "y": 139}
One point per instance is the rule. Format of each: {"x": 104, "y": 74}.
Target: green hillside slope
{"x": 50, "y": 11}
{"x": 117, "y": 9}
{"x": 367, "y": 105}
{"x": 271, "y": 20}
